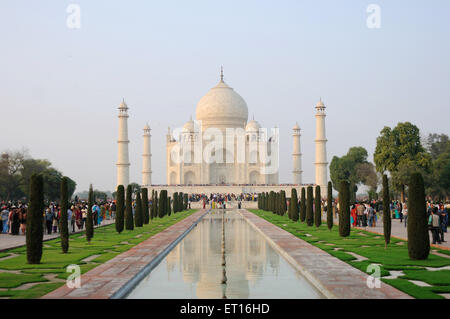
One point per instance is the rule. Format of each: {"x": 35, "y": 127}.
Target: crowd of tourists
{"x": 366, "y": 214}
{"x": 14, "y": 216}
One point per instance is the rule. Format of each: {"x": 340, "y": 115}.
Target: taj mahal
{"x": 222, "y": 150}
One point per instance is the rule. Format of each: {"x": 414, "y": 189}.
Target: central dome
{"x": 222, "y": 107}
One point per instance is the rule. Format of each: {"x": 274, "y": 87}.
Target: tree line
{"x": 16, "y": 169}
{"x": 399, "y": 152}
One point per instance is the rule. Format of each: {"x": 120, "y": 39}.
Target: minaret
{"x": 321, "y": 149}
{"x": 296, "y": 156}
{"x": 123, "y": 163}
{"x": 147, "y": 158}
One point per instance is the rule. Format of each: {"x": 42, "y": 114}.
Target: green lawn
{"x": 371, "y": 246}
{"x": 21, "y": 280}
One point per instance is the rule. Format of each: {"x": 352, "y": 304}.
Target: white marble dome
{"x": 222, "y": 106}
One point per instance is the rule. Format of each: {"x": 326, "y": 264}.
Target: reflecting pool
{"x": 193, "y": 269}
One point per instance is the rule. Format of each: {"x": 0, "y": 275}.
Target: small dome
{"x": 146, "y": 127}
{"x": 296, "y": 127}
{"x": 189, "y": 126}
{"x": 252, "y": 126}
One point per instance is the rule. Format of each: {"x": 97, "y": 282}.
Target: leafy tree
{"x": 135, "y": 188}
{"x": 437, "y": 144}
{"x": 139, "y": 215}
{"x": 438, "y": 181}
{"x": 386, "y": 211}
{"x": 129, "y": 223}
{"x": 16, "y": 169}
{"x": 89, "y": 219}
{"x": 400, "y": 152}
{"x": 145, "y": 205}
{"x": 120, "y": 206}
{"x": 303, "y": 205}
{"x": 351, "y": 167}
{"x": 293, "y": 206}
{"x": 418, "y": 238}
{"x": 63, "y": 222}
{"x": 344, "y": 209}
{"x": 35, "y": 220}
{"x": 309, "y": 206}
{"x": 330, "y": 206}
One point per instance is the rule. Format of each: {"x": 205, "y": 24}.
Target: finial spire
{"x": 221, "y": 74}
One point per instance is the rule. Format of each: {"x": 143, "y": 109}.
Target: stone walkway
{"x": 8, "y": 241}
{"x": 333, "y": 277}
{"x": 105, "y": 280}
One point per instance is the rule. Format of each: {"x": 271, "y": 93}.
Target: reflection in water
{"x": 193, "y": 269}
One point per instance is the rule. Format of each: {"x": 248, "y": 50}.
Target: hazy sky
{"x": 60, "y": 87}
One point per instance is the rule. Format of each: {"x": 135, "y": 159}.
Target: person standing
{"x": 433, "y": 223}
{"x": 442, "y": 216}
{"x": 15, "y": 221}
{"x": 49, "y": 220}
{"x": 5, "y": 215}
{"x": 405, "y": 214}
{"x": 71, "y": 217}
{"x": 23, "y": 220}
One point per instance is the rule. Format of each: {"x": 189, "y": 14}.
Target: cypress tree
{"x": 309, "y": 207}
{"x": 344, "y": 207}
{"x": 145, "y": 205}
{"x": 120, "y": 206}
{"x": 186, "y": 201}
{"x": 330, "y": 206}
{"x": 275, "y": 203}
{"x": 418, "y": 238}
{"x": 303, "y": 206}
{"x": 90, "y": 217}
{"x": 63, "y": 222}
{"x": 138, "y": 214}
{"x": 387, "y": 223}
{"x": 175, "y": 202}
{"x": 129, "y": 223}
{"x": 283, "y": 203}
{"x": 155, "y": 205}
{"x": 294, "y": 205}
{"x": 318, "y": 207}
{"x": 180, "y": 202}
{"x": 35, "y": 219}
{"x": 162, "y": 207}
{"x": 169, "y": 209}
